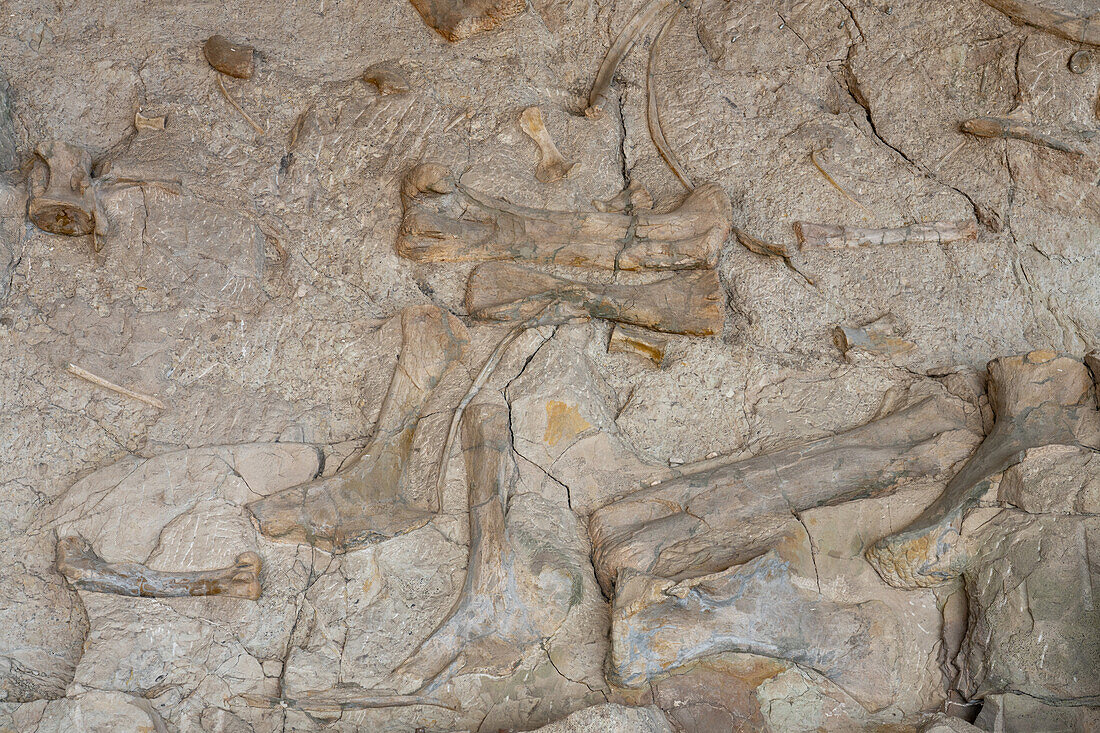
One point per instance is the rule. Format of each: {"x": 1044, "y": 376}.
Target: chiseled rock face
{"x": 611, "y": 718}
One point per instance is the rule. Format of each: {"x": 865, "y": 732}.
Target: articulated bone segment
{"x": 658, "y": 625}
{"x": 1038, "y": 399}
{"x": 717, "y": 512}
{"x": 361, "y": 504}
{"x": 839, "y": 236}
{"x": 687, "y": 303}
{"x": 231, "y": 59}
{"x": 64, "y": 201}
{"x": 86, "y": 570}
{"x": 445, "y": 222}
{"x": 552, "y": 166}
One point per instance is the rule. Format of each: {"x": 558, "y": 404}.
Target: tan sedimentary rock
{"x": 141, "y": 122}
{"x": 63, "y": 195}
{"x": 877, "y": 337}
{"x": 620, "y": 47}
{"x": 552, "y": 166}
{"x": 86, "y": 570}
{"x": 643, "y": 343}
{"x": 362, "y": 503}
{"x": 445, "y": 222}
{"x": 1039, "y": 399}
{"x": 839, "y": 236}
{"x": 386, "y": 78}
{"x": 689, "y": 303}
{"x": 1003, "y": 127}
{"x": 456, "y": 20}
{"x": 231, "y": 59}
{"x": 1071, "y": 27}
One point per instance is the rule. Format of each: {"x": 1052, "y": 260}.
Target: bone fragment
{"x": 552, "y": 166}
{"x": 637, "y": 341}
{"x": 718, "y": 512}
{"x": 1002, "y": 127}
{"x": 233, "y": 103}
{"x": 362, "y": 503}
{"x": 634, "y": 197}
{"x": 1071, "y": 27}
{"x": 687, "y": 303}
{"x": 95, "y": 379}
{"x": 86, "y": 570}
{"x": 456, "y": 20}
{"x": 445, "y": 222}
{"x": 343, "y": 697}
{"x": 141, "y": 122}
{"x": 386, "y": 79}
{"x": 653, "y": 111}
{"x": 839, "y": 236}
{"x": 878, "y": 337}
{"x": 231, "y": 59}
{"x": 63, "y": 197}
{"x": 1039, "y": 399}
{"x": 625, "y": 41}
{"x": 658, "y": 625}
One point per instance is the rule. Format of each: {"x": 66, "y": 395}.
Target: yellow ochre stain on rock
{"x": 563, "y": 422}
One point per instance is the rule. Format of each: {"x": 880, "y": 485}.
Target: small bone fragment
{"x": 456, "y": 20}
{"x": 65, "y": 202}
{"x": 233, "y": 103}
{"x": 878, "y": 337}
{"x": 1070, "y": 27}
{"x": 386, "y": 79}
{"x": 1039, "y": 399}
{"x": 1002, "y": 127}
{"x": 631, "y": 340}
{"x": 362, "y": 504}
{"x": 625, "y": 41}
{"x": 445, "y": 222}
{"x": 837, "y": 186}
{"x": 343, "y": 697}
{"x": 141, "y": 122}
{"x": 94, "y": 379}
{"x": 634, "y": 197}
{"x": 86, "y": 570}
{"x": 687, "y": 303}
{"x": 717, "y": 513}
{"x": 838, "y": 236}
{"x": 658, "y": 625}
{"x": 653, "y": 112}
{"x": 552, "y": 166}
{"x": 1080, "y": 62}
{"x": 231, "y": 59}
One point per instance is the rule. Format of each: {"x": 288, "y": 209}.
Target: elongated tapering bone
{"x": 839, "y": 236}
{"x": 456, "y": 20}
{"x": 231, "y": 59}
{"x": 552, "y": 166}
{"x": 658, "y": 625}
{"x": 621, "y": 46}
{"x": 689, "y": 303}
{"x": 1003, "y": 127}
{"x": 717, "y": 513}
{"x": 362, "y": 503}
{"x": 1070, "y": 27}
{"x": 445, "y": 222}
{"x": 86, "y": 570}
{"x": 653, "y": 109}
{"x": 1039, "y": 399}
{"x": 63, "y": 196}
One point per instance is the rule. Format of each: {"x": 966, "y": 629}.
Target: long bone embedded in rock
{"x": 1038, "y": 399}
{"x": 362, "y": 503}
{"x": 1071, "y": 27}
{"x": 717, "y": 513}
{"x": 63, "y": 196}
{"x": 86, "y": 570}
{"x": 687, "y": 303}
{"x": 552, "y": 166}
{"x": 658, "y": 625}
{"x": 446, "y": 222}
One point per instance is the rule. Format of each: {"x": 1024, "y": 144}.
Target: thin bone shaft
{"x": 839, "y": 236}
{"x": 1001, "y": 127}
{"x": 653, "y": 112}
{"x": 94, "y": 379}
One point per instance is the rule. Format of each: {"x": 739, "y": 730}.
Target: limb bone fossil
{"x": 1038, "y": 399}
{"x": 86, "y": 570}
{"x": 552, "y": 166}
{"x": 63, "y": 197}
{"x": 445, "y": 222}
{"x": 836, "y": 236}
{"x": 362, "y": 503}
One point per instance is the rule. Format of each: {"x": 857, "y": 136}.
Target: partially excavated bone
{"x": 86, "y": 570}
{"x": 877, "y": 337}
{"x": 445, "y": 222}
{"x": 386, "y": 79}
{"x": 689, "y": 303}
{"x": 456, "y": 20}
{"x": 621, "y": 46}
{"x": 552, "y": 166}
{"x": 63, "y": 197}
{"x": 231, "y": 59}
{"x": 837, "y": 235}
{"x": 717, "y": 513}
{"x": 1003, "y": 127}
{"x": 141, "y": 122}
{"x": 634, "y": 197}
{"x": 631, "y": 340}
{"x": 1071, "y": 27}
{"x": 362, "y": 503}
{"x": 1038, "y": 399}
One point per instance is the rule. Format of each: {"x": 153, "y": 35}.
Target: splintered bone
{"x": 63, "y": 196}
{"x": 86, "y": 570}
{"x": 386, "y": 79}
{"x": 1003, "y": 127}
{"x": 1071, "y": 27}
{"x": 717, "y": 513}
{"x": 689, "y": 302}
{"x": 839, "y": 236}
{"x": 658, "y": 625}
{"x": 362, "y": 504}
{"x": 456, "y": 20}
{"x": 1039, "y": 399}
{"x": 231, "y": 59}
{"x": 445, "y": 222}
{"x": 552, "y": 166}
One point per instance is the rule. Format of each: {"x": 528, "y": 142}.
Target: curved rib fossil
{"x": 653, "y": 113}
{"x": 625, "y": 41}
{"x": 1070, "y": 27}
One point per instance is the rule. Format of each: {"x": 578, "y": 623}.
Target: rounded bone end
{"x": 231, "y": 59}
{"x": 427, "y": 178}
{"x": 910, "y": 562}
{"x": 58, "y": 216}
{"x": 245, "y": 582}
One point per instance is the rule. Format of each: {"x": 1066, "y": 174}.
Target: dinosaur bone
{"x": 716, "y": 513}
{"x": 63, "y": 197}
{"x": 445, "y": 222}
{"x": 386, "y": 78}
{"x": 687, "y": 303}
{"x": 552, "y": 166}
{"x": 877, "y": 337}
{"x": 625, "y": 41}
{"x": 836, "y": 235}
{"x": 1070, "y": 27}
{"x": 1039, "y": 399}
{"x": 1003, "y": 127}
{"x": 231, "y": 59}
{"x": 456, "y": 20}
{"x": 631, "y": 340}
{"x": 362, "y": 503}
{"x": 86, "y": 570}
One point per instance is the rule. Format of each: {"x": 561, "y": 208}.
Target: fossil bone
{"x": 1079, "y": 62}
{"x": 342, "y": 697}
{"x": 838, "y": 236}
{"x": 456, "y": 20}
{"x": 631, "y": 340}
{"x": 716, "y": 513}
{"x": 362, "y": 503}
{"x": 445, "y": 222}
{"x": 653, "y": 111}
{"x": 64, "y": 200}
{"x": 231, "y": 59}
{"x": 141, "y": 122}
{"x": 95, "y": 379}
{"x": 86, "y": 570}
{"x": 689, "y": 303}
{"x": 552, "y": 166}
{"x": 1070, "y": 27}
{"x": 386, "y": 79}
{"x": 1003, "y": 127}
{"x": 634, "y": 197}
{"x": 1039, "y": 399}
{"x": 621, "y": 46}
{"x": 878, "y": 337}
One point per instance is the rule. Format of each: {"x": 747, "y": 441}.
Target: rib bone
{"x": 362, "y": 504}
{"x": 1070, "y": 27}
{"x": 64, "y": 201}
{"x": 445, "y": 222}
{"x": 552, "y": 166}
{"x": 86, "y": 570}
{"x": 1038, "y": 399}
{"x": 687, "y": 303}
{"x": 1002, "y": 127}
{"x": 837, "y": 236}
